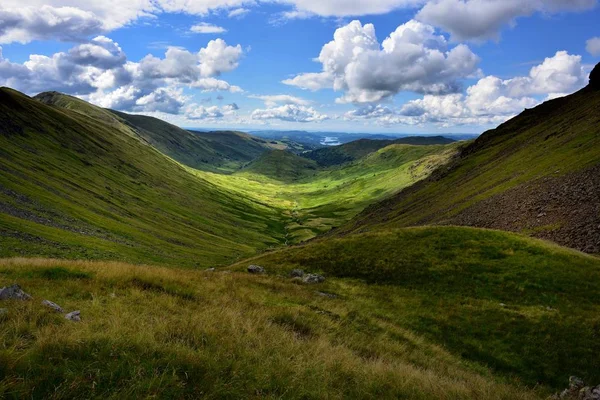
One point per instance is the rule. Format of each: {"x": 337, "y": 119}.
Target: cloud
{"x": 25, "y": 24}
{"x": 345, "y": 8}
{"x": 74, "y": 20}
{"x": 484, "y": 19}
{"x": 592, "y": 46}
{"x": 199, "y": 112}
{"x": 99, "y": 71}
{"x": 490, "y": 101}
{"x": 289, "y": 113}
{"x": 412, "y": 59}
{"x": 205, "y": 27}
{"x": 217, "y": 57}
{"x": 238, "y": 13}
{"x": 274, "y": 100}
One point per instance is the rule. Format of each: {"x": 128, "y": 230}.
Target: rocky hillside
{"x": 536, "y": 174}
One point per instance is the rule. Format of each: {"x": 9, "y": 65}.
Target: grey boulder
{"x": 297, "y": 273}
{"x": 256, "y": 269}
{"x": 13, "y": 292}
{"x": 74, "y": 316}
{"x": 313, "y": 279}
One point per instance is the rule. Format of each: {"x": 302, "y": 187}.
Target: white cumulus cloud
{"x": 490, "y": 101}
{"x": 100, "y": 72}
{"x": 413, "y": 58}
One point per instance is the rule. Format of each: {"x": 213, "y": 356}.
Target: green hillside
{"x": 527, "y": 309}
{"x": 212, "y": 151}
{"x": 78, "y": 187}
{"x": 355, "y": 150}
{"x": 538, "y": 174}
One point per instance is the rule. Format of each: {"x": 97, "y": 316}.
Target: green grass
{"x": 171, "y": 333}
{"x": 527, "y": 309}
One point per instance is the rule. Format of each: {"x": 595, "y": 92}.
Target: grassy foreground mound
{"x": 527, "y": 309}
{"x": 169, "y": 333}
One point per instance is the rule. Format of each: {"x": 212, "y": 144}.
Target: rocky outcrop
{"x": 13, "y": 292}
{"x": 256, "y": 269}
{"x": 595, "y": 77}
{"x": 578, "y": 391}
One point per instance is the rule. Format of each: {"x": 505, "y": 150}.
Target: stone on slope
{"x": 74, "y": 316}
{"x": 13, "y": 292}
{"x": 297, "y": 273}
{"x": 53, "y": 306}
{"x": 313, "y": 279}
{"x": 256, "y": 269}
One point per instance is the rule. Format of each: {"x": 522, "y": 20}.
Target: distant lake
{"x": 330, "y": 141}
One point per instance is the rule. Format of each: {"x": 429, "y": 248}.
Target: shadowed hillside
{"x": 79, "y": 187}
{"x": 224, "y": 151}
{"x": 538, "y": 174}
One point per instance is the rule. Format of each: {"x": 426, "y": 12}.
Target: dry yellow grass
{"x": 158, "y": 332}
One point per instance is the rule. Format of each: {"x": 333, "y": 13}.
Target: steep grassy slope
{"x": 169, "y": 333}
{"x": 312, "y": 201}
{"x": 538, "y": 173}
{"x": 211, "y": 151}
{"x": 524, "y": 308}
{"x": 78, "y": 187}
{"x": 352, "y": 151}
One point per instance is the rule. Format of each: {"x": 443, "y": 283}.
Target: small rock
{"x": 576, "y": 383}
{"x": 74, "y": 316}
{"x": 297, "y": 273}
{"x": 53, "y": 306}
{"x": 256, "y": 269}
{"x": 325, "y": 294}
{"x": 313, "y": 278}
{"x": 502, "y": 305}
{"x": 13, "y": 292}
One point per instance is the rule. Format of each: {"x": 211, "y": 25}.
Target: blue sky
{"x": 402, "y": 66}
